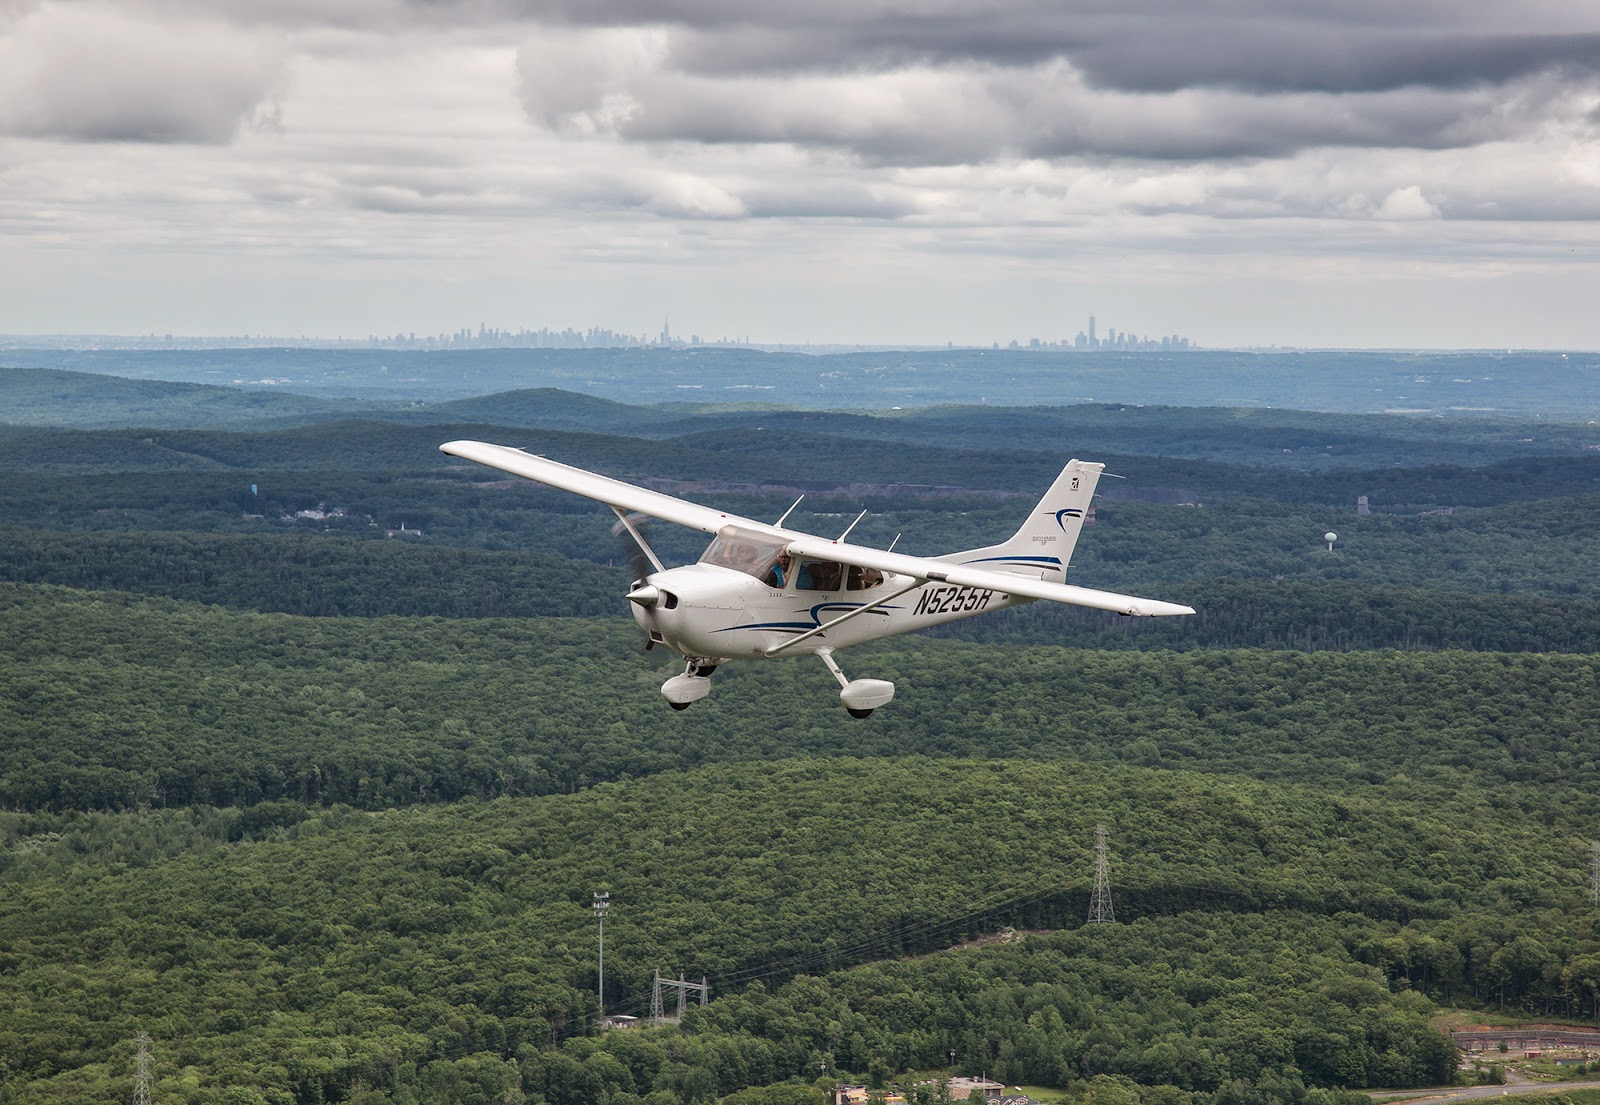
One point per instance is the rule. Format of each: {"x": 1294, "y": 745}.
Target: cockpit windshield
{"x": 748, "y": 553}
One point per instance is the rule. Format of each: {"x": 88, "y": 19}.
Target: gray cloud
{"x": 95, "y": 75}
{"x": 839, "y": 201}
{"x": 935, "y": 83}
{"x": 1172, "y": 51}
{"x": 972, "y": 113}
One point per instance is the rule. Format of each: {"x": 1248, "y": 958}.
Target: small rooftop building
{"x": 860, "y": 1095}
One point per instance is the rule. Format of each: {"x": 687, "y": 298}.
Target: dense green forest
{"x": 320, "y": 802}
{"x": 330, "y": 575}
{"x": 759, "y": 455}
{"x": 421, "y": 954}
{"x": 113, "y": 702}
{"x": 1532, "y": 548}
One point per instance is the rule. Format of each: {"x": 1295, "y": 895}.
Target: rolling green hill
{"x": 82, "y": 400}
{"x": 420, "y": 951}
{"x": 1251, "y": 436}
{"x": 325, "y": 575}
{"x": 116, "y": 702}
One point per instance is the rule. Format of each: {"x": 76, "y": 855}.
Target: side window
{"x": 819, "y": 575}
{"x": 864, "y": 579}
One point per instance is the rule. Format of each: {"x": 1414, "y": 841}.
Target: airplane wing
{"x": 944, "y": 571}
{"x": 614, "y": 493}
{"x": 668, "y": 508}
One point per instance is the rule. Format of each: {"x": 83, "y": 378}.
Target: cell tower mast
{"x": 141, "y": 1075}
{"x": 602, "y": 902}
{"x": 1100, "y": 910}
{"x": 1594, "y": 873}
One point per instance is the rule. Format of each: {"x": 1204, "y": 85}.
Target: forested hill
{"x": 1271, "y": 437}
{"x": 329, "y": 576}
{"x": 52, "y": 397}
{"x": 1443, "y": 383}
{"x": 420, "y": 952}
{"x": 113, "y": 702}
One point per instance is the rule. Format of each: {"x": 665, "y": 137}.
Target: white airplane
{"x": 761, "y": 591}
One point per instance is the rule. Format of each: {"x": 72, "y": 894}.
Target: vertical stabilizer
{"x": 1043, "y": 546}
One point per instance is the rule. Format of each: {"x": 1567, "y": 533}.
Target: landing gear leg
{"x": 682, "y": 691}
{"x": 860, "y": 696}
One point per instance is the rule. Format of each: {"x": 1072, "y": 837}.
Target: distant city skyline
{"x": 484, "y": 336}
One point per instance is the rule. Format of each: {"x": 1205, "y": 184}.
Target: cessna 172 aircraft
{"x": 761, "y": 591}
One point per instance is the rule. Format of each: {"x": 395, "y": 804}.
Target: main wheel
{"x": 858, "y": 713}
{"x": 680, "y": 705}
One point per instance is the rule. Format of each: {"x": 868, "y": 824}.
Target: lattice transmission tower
{"x": 1100, "y": 910}
{"x": 1594, "y": 873}
{"x": 141, "y": 1074}
{"x": 658, "y": 1013}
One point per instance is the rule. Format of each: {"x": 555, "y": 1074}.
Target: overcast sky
{"x": 1306, "y": 172}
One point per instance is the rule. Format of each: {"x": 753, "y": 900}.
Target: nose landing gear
{"x": 860, "y": 696}
{"x": 683, "y": 691}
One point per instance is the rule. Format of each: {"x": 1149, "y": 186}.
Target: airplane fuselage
{"x": 711, "y": 612}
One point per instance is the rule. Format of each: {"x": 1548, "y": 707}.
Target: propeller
{"x": 631, "y": 530}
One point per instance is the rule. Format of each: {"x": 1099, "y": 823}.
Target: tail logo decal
{"x": 1067, "y": 512}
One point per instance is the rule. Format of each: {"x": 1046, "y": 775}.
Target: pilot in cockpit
{"x": 782, "y": 572}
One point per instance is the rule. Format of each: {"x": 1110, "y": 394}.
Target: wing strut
{"x": 848, "y": 528}
{"x": 846, "y": 616}
{"x": 788, "y": 512}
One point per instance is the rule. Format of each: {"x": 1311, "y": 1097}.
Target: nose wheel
{"x": 859, "y": 696}
{"x": 683, "y": 691}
